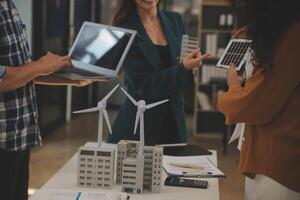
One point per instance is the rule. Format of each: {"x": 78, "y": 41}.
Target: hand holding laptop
{"x": 51, "y": 63}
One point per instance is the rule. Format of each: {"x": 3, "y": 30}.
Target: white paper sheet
{"x": 238, "y": 133}
{"x": 208, "y": 167}
{"x": 77, "y": 195}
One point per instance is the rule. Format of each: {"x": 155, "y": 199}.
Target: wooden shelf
{"x": 216, "y": 3}
{"x": 216, "y": 31}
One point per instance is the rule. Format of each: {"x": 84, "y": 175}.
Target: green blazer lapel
{"x": 173, "y": 41}
{"x": 145, "y": 44}
{"x": 150, "y": 54}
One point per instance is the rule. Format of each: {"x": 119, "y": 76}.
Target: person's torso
{"x": 18, "y": 109}
{"x": 154, "y": 59}
{"x": 273, "y": 149}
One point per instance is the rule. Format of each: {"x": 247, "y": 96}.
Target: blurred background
{"x": 52, "y": 26}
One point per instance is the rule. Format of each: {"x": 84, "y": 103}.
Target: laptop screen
{"x": 100, "y": 46}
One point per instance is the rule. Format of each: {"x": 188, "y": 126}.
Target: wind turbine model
{"x": 141, "y": 108}
{"x": 101, "y": 108}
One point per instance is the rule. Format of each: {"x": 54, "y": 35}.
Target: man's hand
{"x": 233, "y": 78}
{"x": 51, "y": 63}
{"x": 194, "y": 60}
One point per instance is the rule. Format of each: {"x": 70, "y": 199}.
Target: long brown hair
{"x": 124, "y": 9}
{"x": 267, "y": 26}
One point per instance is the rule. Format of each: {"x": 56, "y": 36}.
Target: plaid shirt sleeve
{"x": 18, "y": 109}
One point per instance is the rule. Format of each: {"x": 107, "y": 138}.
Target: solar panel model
{"x": 236, "y": 52}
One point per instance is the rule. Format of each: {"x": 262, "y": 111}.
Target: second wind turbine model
{"x": 141, "y": 108}
{"x": 101, "y": 108}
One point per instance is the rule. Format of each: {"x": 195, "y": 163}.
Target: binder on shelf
{"x": 212, "y": 44}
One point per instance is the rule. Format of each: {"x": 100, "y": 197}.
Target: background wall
{"x": 25, "y": 9}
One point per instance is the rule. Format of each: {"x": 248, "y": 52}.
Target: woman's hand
{"x": 233, "y": 78}
{"x": 194, "y": 60}
{"x": 239, "y": 32}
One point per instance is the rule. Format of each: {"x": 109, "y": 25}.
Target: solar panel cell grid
{"x": 235, "y": 53}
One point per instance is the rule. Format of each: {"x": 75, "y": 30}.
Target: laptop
{"x": 98, "y": 52}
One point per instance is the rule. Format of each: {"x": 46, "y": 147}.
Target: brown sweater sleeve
{"x": 267, "y": 91}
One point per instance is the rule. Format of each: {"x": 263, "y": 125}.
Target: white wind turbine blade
{"x": 156, "y": 104}
{"x": 107, "y": 121}
{"x": 137, "y": 118}
{"x": 87, "y": 110}
{"x": 110, "y": 93}
{"x": 130, "y": 98}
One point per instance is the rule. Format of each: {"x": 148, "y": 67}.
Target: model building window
{"x": 104, "y": 154}
{"x": 87, "y": 153}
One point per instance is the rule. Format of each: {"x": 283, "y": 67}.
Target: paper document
{"x": 190, "y": 166}
{"x": 77, "y": 195}
{"x": 238, "y": 133}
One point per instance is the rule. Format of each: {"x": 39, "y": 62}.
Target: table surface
{"x": 66, "y": 179}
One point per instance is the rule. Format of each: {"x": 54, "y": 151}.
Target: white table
{"x": 66, "y": 179}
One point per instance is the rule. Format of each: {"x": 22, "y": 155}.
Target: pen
{"x": 189, "y": 166}
{"x": 204, "y": 175}
{"x": 78, "y": 196}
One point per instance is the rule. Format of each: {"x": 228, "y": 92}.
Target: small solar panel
{"x": 236, "y": 52}
{"x": 188, "y": 45}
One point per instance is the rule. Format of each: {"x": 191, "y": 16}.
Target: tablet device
{"x": 98, "y": 52}
{"x": 185, "y": 150}
{"x": 236, "y": 52}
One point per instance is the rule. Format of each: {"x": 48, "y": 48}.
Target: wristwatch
{"x": 2, "y": 72}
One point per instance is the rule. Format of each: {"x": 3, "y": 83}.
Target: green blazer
{"x": 145, "y": 78}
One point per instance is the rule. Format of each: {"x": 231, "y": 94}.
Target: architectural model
{"x": 139, "y": 167}
{"x": 129, "y": 167}
{"x": 188, "y": 45}
{"x": 96, "y": 163}
{"x": 95, "y": 167}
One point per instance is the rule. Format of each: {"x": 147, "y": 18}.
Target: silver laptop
{"x": 98, "y": 52}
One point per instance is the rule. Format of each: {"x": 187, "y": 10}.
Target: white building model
{"x": 96, "y": 163}
{"x": 151, "y": 169}
{"x": 139, "y": 167}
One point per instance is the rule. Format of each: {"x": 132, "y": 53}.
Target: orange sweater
{"x": 269, "y": 104}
